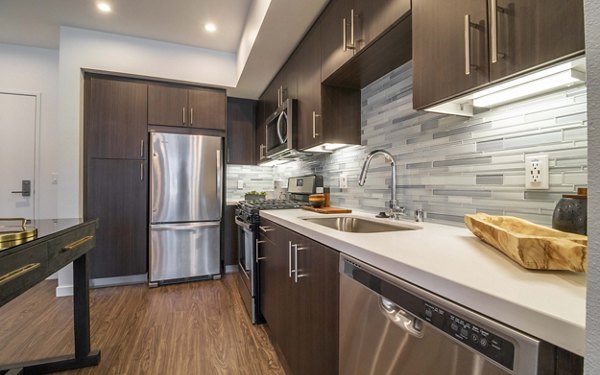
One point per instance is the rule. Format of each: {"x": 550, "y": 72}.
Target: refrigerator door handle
{"x": 219, "y": 173}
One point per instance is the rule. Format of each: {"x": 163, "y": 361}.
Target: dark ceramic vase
{"x": 570, "y": 215}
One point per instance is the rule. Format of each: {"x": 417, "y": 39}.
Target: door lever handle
{"x": 25, "y": 189}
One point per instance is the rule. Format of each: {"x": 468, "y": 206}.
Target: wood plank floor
{"x": 195, "y": 328}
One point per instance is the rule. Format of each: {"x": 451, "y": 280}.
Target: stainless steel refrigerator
{"x": 185, "y": 207}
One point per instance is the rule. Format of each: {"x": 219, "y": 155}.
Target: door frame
{"x": 36, "y": 143}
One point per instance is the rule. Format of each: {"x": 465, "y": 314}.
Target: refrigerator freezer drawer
{"x": 179, "y": 251}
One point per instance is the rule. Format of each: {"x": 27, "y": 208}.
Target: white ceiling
{"x": 36, "y": 23}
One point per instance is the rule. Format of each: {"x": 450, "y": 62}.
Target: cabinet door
{"x": 167, "y": 105}
{"x": 116, "y": 193}
{"x": 377, "y": 16}
{"x": 116, "y": 118}
{"x": 314, "y": 313}
{"x": 207, "y": 108}
{"x": 241, "y": 129}
{"x": 333, "y": 29}
{"x": 261, "y": 131}
{"x": 275, "y": 287}
{"x": 533, "y": 32}
{"x": 309, "y": 90}
{"x": 449, "y": 55}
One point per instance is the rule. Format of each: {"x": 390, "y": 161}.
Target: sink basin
{"x": 358, "y": 225}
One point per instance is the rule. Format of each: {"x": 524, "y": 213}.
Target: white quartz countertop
{"x": 455, "y": 264}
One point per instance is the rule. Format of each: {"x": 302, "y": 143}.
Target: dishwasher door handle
{"x": 412, "y": 325}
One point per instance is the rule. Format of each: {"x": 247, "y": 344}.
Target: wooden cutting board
{"x": 533, "y": 246}
{"x": 328, "y": 210}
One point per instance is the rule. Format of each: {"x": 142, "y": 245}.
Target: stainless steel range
{"x": 247, "y": 218}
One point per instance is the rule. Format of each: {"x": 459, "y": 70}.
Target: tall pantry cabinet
{"x": 115, "y": 173}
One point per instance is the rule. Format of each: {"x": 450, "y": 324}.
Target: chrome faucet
{"x": 393, "y": 210}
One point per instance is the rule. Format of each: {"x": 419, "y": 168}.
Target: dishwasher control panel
{"x": 476, "y": 337}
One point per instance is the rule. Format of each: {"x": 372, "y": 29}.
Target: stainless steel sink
{"x": 358, "y": 225}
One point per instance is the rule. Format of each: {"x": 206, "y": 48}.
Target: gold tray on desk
{"x": 532, "y": 246}
{"x": 14, "y": 231}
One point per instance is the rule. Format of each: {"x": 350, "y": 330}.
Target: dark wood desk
{"x": 22, "y": 266}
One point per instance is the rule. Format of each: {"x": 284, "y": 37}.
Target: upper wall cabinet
{"x": 458, "y": 45}
{"x": 528, "y": 33}
{"x": 349, "y": 26}
{"x": 116, "y": 118}
{"x": 241, "y": 119}
{"x": 181, "y": 106}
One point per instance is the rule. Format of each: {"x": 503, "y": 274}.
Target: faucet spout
{"x": 363, "y": 174}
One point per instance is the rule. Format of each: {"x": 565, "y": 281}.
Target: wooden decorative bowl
{"x": 532, "y": 246}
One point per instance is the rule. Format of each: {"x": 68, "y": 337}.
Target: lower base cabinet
{"x": 300, "y": 299}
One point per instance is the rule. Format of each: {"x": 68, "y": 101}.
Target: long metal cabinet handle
{"x": 352, "y": 46}
{"x": 265, "y": 229}
{"x": 494, "y": 30}
{"x": 142, "y": 148}
{"x": 142, "y": 171}
{"x": 192, "y": 116}
{"x": 183, "y": 115}
{"x": 17, "y": 273}
{"x": 289, "y": 258}
{"x": 219, "y": 176}
{"x": 314, "y": 118}
{"x": 467, "y": 44}
{"x": 344, "y": 35}
{"x": 256, "y": 251}
{"x": 295, "y": 263}
{"x": 75, "y": 244}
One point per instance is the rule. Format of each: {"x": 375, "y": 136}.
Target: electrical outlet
{"x": 343, "y": 181}
{"x": 240, "y": 184}
{"x": 537, "y": 172}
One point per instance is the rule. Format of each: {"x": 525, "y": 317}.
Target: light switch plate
{"x": 240, "y": 184}
{"x": 537, "y": 174}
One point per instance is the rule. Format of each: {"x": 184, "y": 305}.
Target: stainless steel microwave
{"x": 281, "y": 130}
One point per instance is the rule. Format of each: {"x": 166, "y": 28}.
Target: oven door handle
{"x": 242, "y": 224}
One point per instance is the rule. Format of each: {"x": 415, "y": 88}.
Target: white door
{"x": 17, "y": 154}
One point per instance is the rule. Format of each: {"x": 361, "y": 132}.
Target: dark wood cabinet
{"x": 309, "y": 90}
{"x": 197, "y": 107}
{"x": 261, "y": 131}
{"x": 442, "y": 38}
{"x": 300, "y": 299}
{"x": 230, "y": 236}
{"x": 241, "y": 131}
{"x": 335, "y": 29}
{"x": 115, "y": 170}
{"x": 529, "y": 33}
{"x": 116, "y": 193}
{"x": 167, "y": 105}
{"x": 461, "y": 45}
{"x": 208, "y": 108}
{"x": 377, "y": 16}
{"x": 116, "y": 119}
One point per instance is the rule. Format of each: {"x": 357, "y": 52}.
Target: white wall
{"x": 35, "y": 70}
{"x": 592, "y": 36}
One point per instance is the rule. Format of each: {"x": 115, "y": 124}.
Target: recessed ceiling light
{"x": 104, "y": 7}
{"x": 210, "y": 27}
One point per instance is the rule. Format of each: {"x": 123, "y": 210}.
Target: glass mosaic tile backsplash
{"x": 449, "y": 165}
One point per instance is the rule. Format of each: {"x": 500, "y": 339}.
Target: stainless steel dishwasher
{"x": 389, "y": 326}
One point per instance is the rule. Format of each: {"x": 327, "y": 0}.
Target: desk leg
{"x": 81, "y": 306}
{"x": 81, "y": 318}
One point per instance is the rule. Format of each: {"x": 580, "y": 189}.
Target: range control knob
{"x": 454, "y": 326}
{"x": 483, "y": 342}
{"x": 474, "y": 337}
